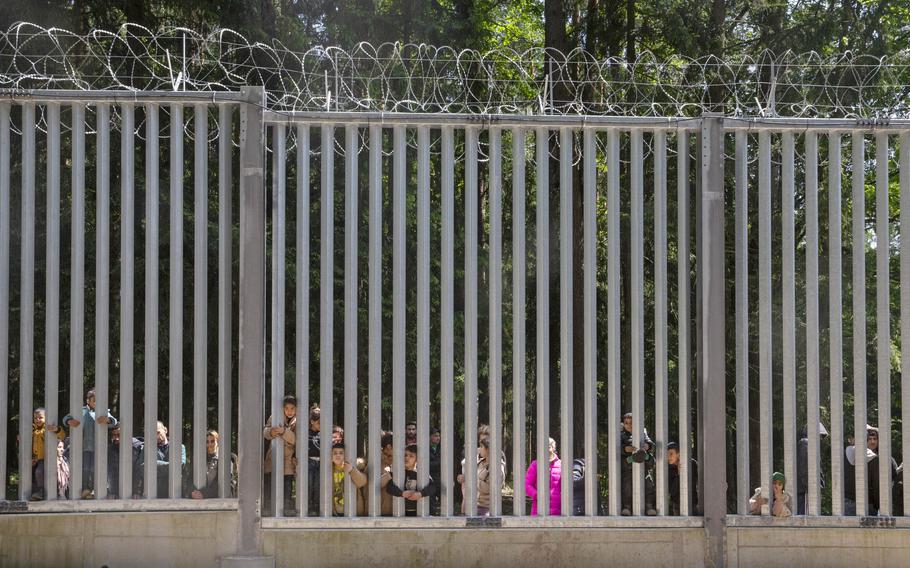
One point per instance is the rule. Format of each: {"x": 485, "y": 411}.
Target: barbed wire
{"x": 396, "y": 77}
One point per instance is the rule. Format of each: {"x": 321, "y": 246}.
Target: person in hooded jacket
{"x": 673, "y": 478}
{"x": 631, "y": 452}
{"x": 802, "y": 468}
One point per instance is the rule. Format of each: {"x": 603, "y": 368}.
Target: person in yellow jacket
{"x": 340, "y": 470}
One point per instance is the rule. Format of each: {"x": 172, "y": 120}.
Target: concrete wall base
{"x": 247, "y": 562}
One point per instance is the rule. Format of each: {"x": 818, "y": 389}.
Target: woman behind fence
{"x": 287, "y": 431}
{"x": 555, "y": 478}
{"x": 212, "y": 459}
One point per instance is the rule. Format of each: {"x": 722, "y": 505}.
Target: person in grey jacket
{"x": 87, "y": 421}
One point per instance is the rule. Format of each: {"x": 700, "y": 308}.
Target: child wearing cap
{"x": 781, "y": 503}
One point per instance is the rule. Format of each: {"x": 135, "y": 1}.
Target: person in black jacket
{"x": 579, "y": 473}
{"x": 212, "y": 458}
{"x": 673, "y": 478}
{"x": 410, "y": 490}
{"x": 802, "y": 468}
{"x": 634, "y": 453}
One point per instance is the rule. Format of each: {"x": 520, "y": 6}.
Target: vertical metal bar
{"x": 566, "y": 366}
{"x": 175, "y": 303}
{"x": 302, "y": 348}
{"x": 543, "y": 321}
{"x": 423, "y": 314}
{"x": 4, "y": 286}
{"x": 592, "y": 499}
{"x": 399, "y": 217}
{"x": 351, "y": 220}
{"x": 102, "y": 291}
{"x": 52, "y": 313}
{"x": 27, "y": 302}
{"x": 279, "y": 229}
{"x": 764, "y": 314}
{"x": 812, "y": 331}
{"x": 151, "y": 305}
{"x": 614, "y": 343}
{"x": 251, "y": 302}
{"x": 77, "y": 289}
{"x": 494, "y": 458}
{"x": 904, "y": 180}
{"x": 519, "y": 339}
{"x": 788, "y": 312}
{"x": 835, "y": 318}
{"x": 636, "y": 241}
{"x": 127, "y": 296}
{"x": 883, "y": 323}
{"x": 326, "y": 285}
{"x": 741, "y": 228}
{"x": 661, "y": 386}
{"x": 447, "y": 322}
{"x": 470, "y": 321}
{"x": 685, "y": 314}
{"x": 225, "y": 294}
{"x": 859, "y": 318}
{"x": 200, "y": 291}
{"x": 374, "y": 394}
{"x": 712, "y": 386}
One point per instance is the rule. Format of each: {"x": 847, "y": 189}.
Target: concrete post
{"x": 711, "y": 354}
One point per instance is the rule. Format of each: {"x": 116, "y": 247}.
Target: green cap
{"x": 778, "y": 476}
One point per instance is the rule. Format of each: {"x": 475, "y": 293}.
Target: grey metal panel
{"x": 423, "y": 314}
{"x": 835, "y": 319}
{"x": 52, "y": 315}
{"x": 302, "y": 347}
{"x": 200, "y": 290}
{"x": 375, "y": 326}
{"x": 447, "y": 321}
{"x": 883, "y": 324}
{"x": 813, "y": 394}
{"x": 77, "y": 278}
{"x": 279, "y": 230}
{"x": 519, "y": 339}
{"x": 5, "y": 218}
{"x": 150, "y": 359}
{"x": 636, "y": 241}
{"x": 904, "y": 181}
{"x": 765, "y": 361}
{"x": 175, "y": 301}
{"x": 225, "y": 296}
{"x": 589, "y": 150}
{"x": 683, "y": 277}
{"x": 566, "y": 367}
{"x": 614, "y": 315}
{"x": 102, "y": 290}
{"x": 543, "y": 321}
{"x": 127, "y": 292}
{"x": 859, "y": 315}
{"x": 352, "y": 144}
{"x": 470, "y": 321}
{"x": 495, "y": 303}
{"x": 741, "y": 229}
{"x": 326, "y": 309}
{"x": 661, "y": 386}
{"x": 251, "y": 302}
{"x": 399, "y": 261}
{"x": 788, "y": 311}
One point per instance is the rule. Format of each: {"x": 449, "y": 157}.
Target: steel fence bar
{"x": 683, "y": 286}
{"x": 447, "y": 322}
{"x": 302, "y": 335}
{"x": 589, "y": 149}
{"x": 519, "y": 338}
{"x": 904, "y": 181}
{"x": 279, "y": 229}
{"x": 835, "y": 318}
{"x": 470, "y": 326}
{"x": 423, "y": 314}
{"x": 399, "y": 263}
{"x": 352, "y": 143}
{"x": 543, "y": 321}
{"x": 765, "y": 236}
{"x": 636, "y": 242}
{"x": 102, "y": 291}
{"x": 200, "y": 291}
{"x": 614, "y": 343}
{"x": 495, "y": 302}
{"x": 175, "y": 300}
{"x": 661, "y": 385}
{"x": 566, "y": 348}
{"x": 326, "y": 309}
{"x": 27, "y": 302}
{"x": 813, "y": 394}
{"x": 127, "y": 294}
{"x": 788, "y": 310}
{"x": 5, "y": 234}
{"x": 883, "y": 324}
{"x": 374, "y": 419}
{"x": 225, "y": 285}
{"x": 77, "y": 285}
{"x": 52, "y": 319}
{"x": 859, "y": 318}
{"x": 741, "y": 228}
{"x": 150, "y": 362}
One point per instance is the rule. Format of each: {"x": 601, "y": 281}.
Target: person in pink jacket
{"x": 555, "y": 475}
